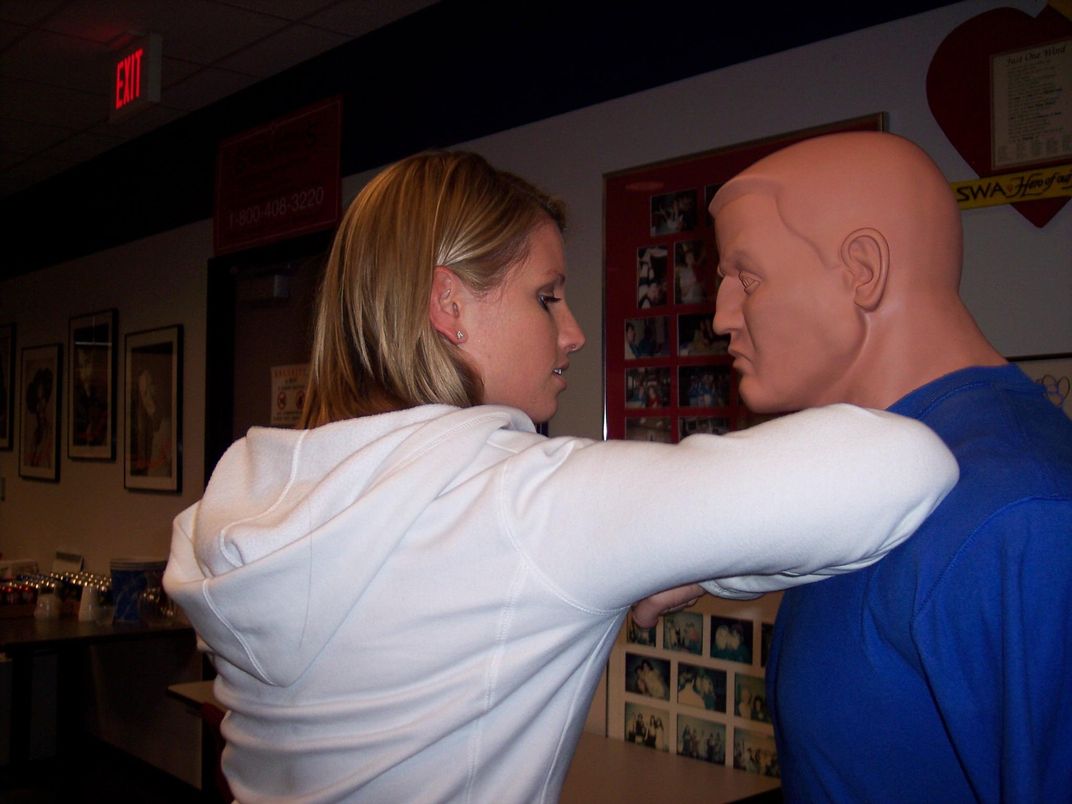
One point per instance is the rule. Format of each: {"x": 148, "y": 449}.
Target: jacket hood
{"x": 264, "y": 565}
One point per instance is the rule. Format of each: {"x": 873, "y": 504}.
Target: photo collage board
{"x": 668, "y": 373}
{"x": 693, "y": 685}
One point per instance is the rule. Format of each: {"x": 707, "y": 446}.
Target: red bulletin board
{"x": 670, "y": 375}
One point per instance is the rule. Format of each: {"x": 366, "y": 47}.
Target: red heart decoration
{"x": 958, "y": 86}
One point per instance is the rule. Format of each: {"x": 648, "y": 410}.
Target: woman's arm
{"x": 815, "y": 493}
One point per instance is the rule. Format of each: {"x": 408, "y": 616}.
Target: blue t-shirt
{"x": 944, "y": 671}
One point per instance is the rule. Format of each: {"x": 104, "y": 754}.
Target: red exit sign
{"x": 136, "y": 77}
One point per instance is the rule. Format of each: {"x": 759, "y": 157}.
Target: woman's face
{"x": 147, "y": 392}
{"x": 519, "y": 335}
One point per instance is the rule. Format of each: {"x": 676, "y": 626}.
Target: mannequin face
{"x": 793, "y": 324}
{"x": 519, "y": 336}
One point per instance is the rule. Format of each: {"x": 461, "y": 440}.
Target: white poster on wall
{"x": 1031, "y": 103}
{"x": 288, "y": 394}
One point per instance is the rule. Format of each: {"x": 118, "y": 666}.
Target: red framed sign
{"x": 280, "y": 180}
{"x": 667, "y": 373}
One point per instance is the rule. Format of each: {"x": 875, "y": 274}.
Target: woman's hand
{"x": 646, "y": 612}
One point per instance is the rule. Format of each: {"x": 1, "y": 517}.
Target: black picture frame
{"x": 7, "y": 387}
{"x": 152, "y": 453}
{"x": 41, "y": 371}
{"x": 1054, "y": 373}
{"x": 91, "y": 414}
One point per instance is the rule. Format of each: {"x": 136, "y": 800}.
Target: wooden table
{"x": 194, "y": 694}
{"x": 21, "y": 639}
{"x": 612, "y": 771}
{"x": 198, "y": 697}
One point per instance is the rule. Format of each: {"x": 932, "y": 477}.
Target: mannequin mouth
{"x": 739, "y": 360}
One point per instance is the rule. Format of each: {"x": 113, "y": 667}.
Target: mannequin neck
{"x": 912, "y": 347}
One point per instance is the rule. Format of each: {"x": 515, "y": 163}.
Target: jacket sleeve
{"x": 816, "y": 493}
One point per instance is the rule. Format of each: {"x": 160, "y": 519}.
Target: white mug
{"x": 89, "y": 605}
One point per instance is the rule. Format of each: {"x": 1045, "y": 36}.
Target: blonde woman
{"x": 412, "y": 597}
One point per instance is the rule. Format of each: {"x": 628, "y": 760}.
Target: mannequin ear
{"x": 866, "y": 256}
{"x": 443, "y": 304}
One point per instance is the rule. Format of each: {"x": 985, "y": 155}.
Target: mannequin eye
{"x": 748, "y": 281}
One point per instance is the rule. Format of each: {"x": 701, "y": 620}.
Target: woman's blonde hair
{"x": 374, "y": 346}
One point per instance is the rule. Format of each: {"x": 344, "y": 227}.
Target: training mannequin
{"x": 942, "y": 672}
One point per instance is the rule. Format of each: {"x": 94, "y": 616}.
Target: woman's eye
{"x": 748, "y": 281}
{"x": 547, "y": 299}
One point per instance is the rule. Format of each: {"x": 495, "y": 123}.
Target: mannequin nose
{"x": 727, "y": 308}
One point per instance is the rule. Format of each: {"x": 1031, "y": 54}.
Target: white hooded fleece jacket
{"x": 417, "y": 606}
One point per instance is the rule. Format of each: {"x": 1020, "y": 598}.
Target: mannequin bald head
{"x": 841, "y": 261}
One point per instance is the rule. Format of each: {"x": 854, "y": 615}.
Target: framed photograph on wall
{"x": 39, "y": 444}
{"x": 152, "y": 458}
{"x": 91, "y": 401}
{"x": 7, "y": 386}
{"x": 1053, "y": 373}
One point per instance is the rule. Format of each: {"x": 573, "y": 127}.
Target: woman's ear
{"x": 443, "y": 305}
{"x": 866, "y": 255}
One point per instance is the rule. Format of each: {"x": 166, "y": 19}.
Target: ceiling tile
{"x": 174, "y": 71}
{"x": 287, "y": 9}
{"x": 41, "y": 167}
{"x": 141, "y": 122}
{"x": 82, "y": 147}
{"x": 358, "y": 17}
{"x": 292, "y": 45}
{"x": 24, "y": 175}
{"x": 206, "y": 32}
{"x": 58, "y": 60}
{"x": 57, "y": 106}
{"x": 84, "y": 19}
{"x": 9, "y": 33}
{"x": 29, "y": 138}
{"x": 27, "y": 12}
{"x": 205, "y": 87}
{"x": 8, "y": 159}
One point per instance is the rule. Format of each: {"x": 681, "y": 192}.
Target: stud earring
{"x": 460, "y": 335}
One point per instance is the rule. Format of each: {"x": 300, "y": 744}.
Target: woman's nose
{"x": 570, "y": 334}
